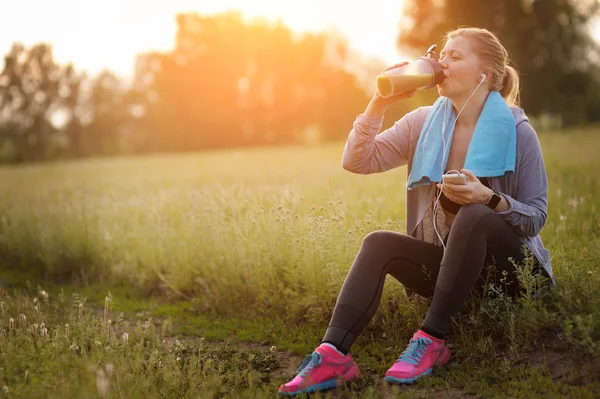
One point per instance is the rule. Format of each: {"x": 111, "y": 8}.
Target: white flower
{"x": 102, "y": 383}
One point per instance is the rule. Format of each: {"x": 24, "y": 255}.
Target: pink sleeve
{"x": 367, "y": 152}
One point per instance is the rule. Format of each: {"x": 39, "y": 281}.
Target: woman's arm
{"x": 367, "y": 152}
{"x": 528, "y": 214}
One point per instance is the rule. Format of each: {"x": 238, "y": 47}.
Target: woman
{"x": 487, "y": 221}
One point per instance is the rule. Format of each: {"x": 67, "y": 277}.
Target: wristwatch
{"x": 494, "y": 200}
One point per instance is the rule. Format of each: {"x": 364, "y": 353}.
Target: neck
{"x": 470, "y": 114}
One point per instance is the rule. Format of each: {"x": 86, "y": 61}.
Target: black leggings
{"x": 478, "y": 237}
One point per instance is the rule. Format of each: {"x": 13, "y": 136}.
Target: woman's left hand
{"x": 472, "y": 192}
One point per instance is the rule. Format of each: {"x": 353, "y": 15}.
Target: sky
{"x": 107, "y": 34}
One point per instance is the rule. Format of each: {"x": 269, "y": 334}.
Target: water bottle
{"x": 422, "y": 73}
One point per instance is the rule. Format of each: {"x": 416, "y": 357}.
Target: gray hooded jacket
{"x": 526, "y": 190}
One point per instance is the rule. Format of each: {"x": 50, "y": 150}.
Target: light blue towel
{"x": 492, "y": 150}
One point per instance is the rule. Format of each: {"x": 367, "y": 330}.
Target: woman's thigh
{"x": 414, "y": 263}
{"x": 481, "y": 242}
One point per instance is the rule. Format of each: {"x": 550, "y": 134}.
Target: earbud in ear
{"x": 483, "y": 76}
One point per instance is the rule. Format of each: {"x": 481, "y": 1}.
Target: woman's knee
{"x": 472, "y": 214}
{"x": 474, "y": 210}
{"x": 381, "y": 239}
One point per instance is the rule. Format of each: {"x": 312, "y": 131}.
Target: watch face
{"x": 494, "y": 201}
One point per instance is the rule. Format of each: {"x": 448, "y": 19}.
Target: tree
{"x": 33, "y": 89}
{"x": 232, "y": 83}
{"x": 109, "y": 108}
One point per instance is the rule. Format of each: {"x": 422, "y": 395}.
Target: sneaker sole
{"x": 325, "y": 385}
{"x": 395, "y": 380}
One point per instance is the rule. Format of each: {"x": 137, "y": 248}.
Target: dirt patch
{"x": 558, "y": 363}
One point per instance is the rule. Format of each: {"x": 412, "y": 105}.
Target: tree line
{"x": 228, "y": 82}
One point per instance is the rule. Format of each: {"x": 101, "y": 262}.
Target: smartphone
{"x": 454, "y": 178}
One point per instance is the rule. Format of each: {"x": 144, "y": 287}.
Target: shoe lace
{"x": 415, "y": 351}
{"x": 313, "y": 360}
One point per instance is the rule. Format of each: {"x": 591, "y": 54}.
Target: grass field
{"x": 224, "y": 267}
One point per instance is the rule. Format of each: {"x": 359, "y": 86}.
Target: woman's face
{"x": 461, "y": 67}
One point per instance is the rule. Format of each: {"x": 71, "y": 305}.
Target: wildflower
{"x": 102, "y": 383}
{"x": 74, "y": 347}
{"x": 2, "y": 306}
{"x": 273, "y": 348}
{"x": 107, "y": 304}
{"x": 11, "y": 324}
{"x": 44, "y": 332}
{"x": 22, "y": 319}
{"x": 108, "y": 326}
{"x": 125, "y": 337}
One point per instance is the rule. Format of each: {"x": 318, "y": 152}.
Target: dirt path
{"x": 562, "y": 366}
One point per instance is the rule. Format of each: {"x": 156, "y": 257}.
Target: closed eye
{"x": 454, "y": 55}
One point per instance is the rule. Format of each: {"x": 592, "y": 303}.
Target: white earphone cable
{"x": 445, "y": 145}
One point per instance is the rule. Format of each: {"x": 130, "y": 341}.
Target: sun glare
{"x": 108, "y": 34}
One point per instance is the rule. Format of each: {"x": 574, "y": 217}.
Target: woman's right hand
{"x": 385, "y": 102}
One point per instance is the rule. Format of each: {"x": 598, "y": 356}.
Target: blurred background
{"x": 83, "y": 78}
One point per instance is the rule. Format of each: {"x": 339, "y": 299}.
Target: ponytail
{"x": 511, "y": 87}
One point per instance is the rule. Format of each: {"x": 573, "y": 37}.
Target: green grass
{"x": 252, "y": 247}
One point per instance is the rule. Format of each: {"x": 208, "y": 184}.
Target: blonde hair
{"x": 494, "y": 56}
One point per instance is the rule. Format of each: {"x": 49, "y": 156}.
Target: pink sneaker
{"x": 423, "y": 353}
{"x": 325, "y": 368}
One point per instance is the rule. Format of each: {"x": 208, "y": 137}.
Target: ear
{"x": 488, "y": 75}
